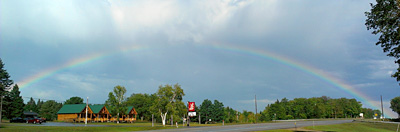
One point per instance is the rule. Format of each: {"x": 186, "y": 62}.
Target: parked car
{"x": 43, "y": 119}
{"x": 17, "y": 120}
{"x": 34, "y": 120}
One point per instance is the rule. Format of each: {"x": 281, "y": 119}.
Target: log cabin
{"x": 130, "y": 114}
{"x": 100, "y": 112}
{"x": 74, "y": 113}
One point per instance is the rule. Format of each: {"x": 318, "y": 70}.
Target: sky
{"x": 228, "y": 50}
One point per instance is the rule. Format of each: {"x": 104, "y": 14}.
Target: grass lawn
{"x": 347, "y": 127}
{"x": 110, "y": 126}
{"x": 19, "y": 128}
{"x": 357, "y": 127}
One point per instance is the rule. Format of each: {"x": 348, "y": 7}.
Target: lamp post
{"x": 87, "y": 101}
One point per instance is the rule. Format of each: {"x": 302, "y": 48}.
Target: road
{"x": 257, "y": 127}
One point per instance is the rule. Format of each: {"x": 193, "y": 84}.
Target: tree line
{"x": 316, "y": 107}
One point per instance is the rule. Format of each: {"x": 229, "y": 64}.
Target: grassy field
{"x": 357, "y": 127}
{"x": 347, "y": 127}
{"x": 110, "y": 127}
{"x": 142, "y": 126}
{"x": 68, "y": 129}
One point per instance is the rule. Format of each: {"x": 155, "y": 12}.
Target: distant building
{"x": 30, "y": 114}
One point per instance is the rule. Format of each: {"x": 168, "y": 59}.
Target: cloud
{"x": 380, "y": 69}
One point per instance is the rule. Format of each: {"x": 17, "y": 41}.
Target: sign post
{"x": 191, "y": 111}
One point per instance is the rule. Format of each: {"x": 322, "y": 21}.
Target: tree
{"x": 229, "y": 115}
{"x": 205, "y": 110}
{"x": 49, "y": 109}
{"x": 18, "y": 103}
{"x": 39, "y": 105}
{"x": 142, "y": 104}
{"x": 14, "y": 103}
{"x": 218, "y": 111}
{"x": 116, "y": 101}
{"x": 384, "y": 19}
{"x": 169, "y": 99}
{"x": 74, "y": 100}
{"x": 31, "y": 106}
{"x": 246, "y": 115}
{"x": 395, "y": 105}
{"x": 5, "y": 81}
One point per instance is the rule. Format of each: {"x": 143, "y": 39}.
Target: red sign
{"x": 191, "y": 106}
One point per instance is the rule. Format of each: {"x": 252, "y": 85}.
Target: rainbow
{"x": 302, "y": 67}
{"x": 244, "y": 50}
{"x": 71, "y": 64}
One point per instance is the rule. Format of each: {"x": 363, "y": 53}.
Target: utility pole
{"x": 87, "y": 101}
{"x": 187, "y": 120}
{"x": 199, "y": 118}
{"x": 237, "y": 115}
{"x": 383, "y": 115}
{"x": 255, "y": 101}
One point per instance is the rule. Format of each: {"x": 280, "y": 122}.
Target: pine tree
{"x": 14, "y": 103}
{"x": 17, "y": 103}
{"x": 49, "y": 109}
{"x": 31, "y": 105}
{"x": 5, "y": 81}
{"x": 39, "y": 106}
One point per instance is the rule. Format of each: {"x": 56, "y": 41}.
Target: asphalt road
{"x": 257, "y": 127}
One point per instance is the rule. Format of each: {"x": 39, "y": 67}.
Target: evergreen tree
{"x": 206, "y": 110}
{"x": 5, "y": 81}
{"x": 31, "y": 106}
{"x": 17, "y": 103}
{"x": 14, "y": 103}
{"x": 49, "y": 109}
{"x": 39, "y": 105}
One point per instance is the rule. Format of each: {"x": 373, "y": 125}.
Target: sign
{"x": 192, "y": 114}
{"x": 191, "y": 106}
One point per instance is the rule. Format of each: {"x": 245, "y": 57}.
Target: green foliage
{"x": 218, "y": 111}
{"x": 206, "y": 110}
{"x": 169, "y": 101}
{"x": 49, "y": 109}
{"x": 5, "y": 81}
{"x": 142, "y": 104}
{"x": 116, "y": 102}
{"x": 384, "y": 19}
{"x": 369, "y": 113}
{"x": 302, "y": 108}
{"x": 31, "y": 106}
{"x": 395, "y": 105}
{"x": 74, "y": 100}
{"x": 13, "y": 104}
{"x": 18, "y": 103}
{"x": 246, "y": 115}
{"x": 229, "y": 115}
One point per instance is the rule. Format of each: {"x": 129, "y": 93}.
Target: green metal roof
{"x": 96, "y": 108}
{"x": 71, "y": 108}
{"x": 129, "y": 108}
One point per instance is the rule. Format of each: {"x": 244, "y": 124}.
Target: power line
{"x": 42, "y": 99}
